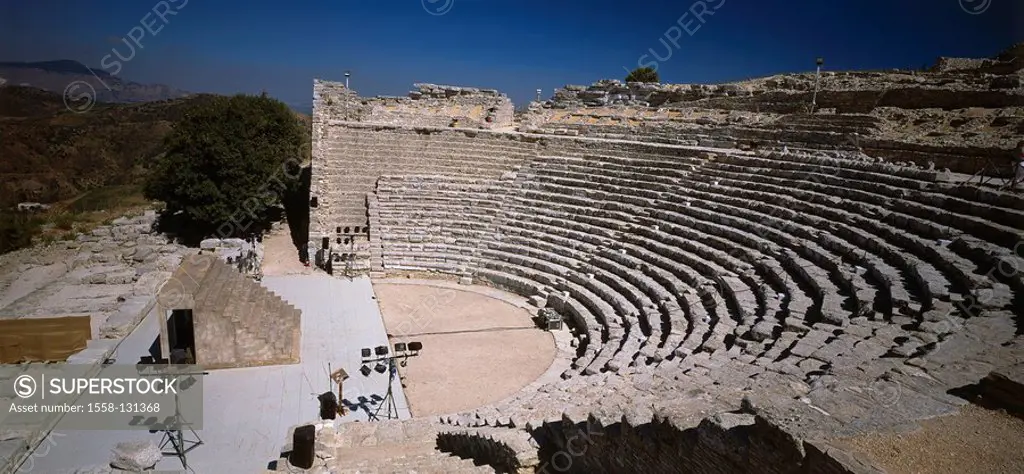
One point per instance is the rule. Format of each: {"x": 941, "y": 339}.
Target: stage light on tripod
{"x": 381, "y": 367}
{"x": 381, "y": 350}
{"x": 365, "y": 370}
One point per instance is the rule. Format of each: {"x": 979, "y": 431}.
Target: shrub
{"x": 643, "y": 74}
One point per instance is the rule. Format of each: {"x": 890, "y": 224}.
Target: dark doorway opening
{"x": 181, "y": 336}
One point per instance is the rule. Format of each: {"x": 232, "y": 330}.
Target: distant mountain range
{"x": 77, "y": 79}
{"x": 64, "y": 74}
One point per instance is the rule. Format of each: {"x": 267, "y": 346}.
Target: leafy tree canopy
{"x": 643, "y": 74}
{"x": 227, "y": 163}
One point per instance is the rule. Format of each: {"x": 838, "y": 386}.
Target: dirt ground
{"x": 975, "y": 440}
{"x": 279, "y": 254}
{"x": 476, "y": 349}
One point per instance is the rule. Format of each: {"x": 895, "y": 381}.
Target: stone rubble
{"x": 112, "y": 273}
{"x": 135, "y": 456}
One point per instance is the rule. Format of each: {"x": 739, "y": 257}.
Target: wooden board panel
{"x": 43, "y": 339}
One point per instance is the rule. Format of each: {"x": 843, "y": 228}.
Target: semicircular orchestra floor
{"x": 477, "y": 349}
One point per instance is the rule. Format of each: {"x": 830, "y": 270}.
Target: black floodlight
{"x": 366, "y": 352}
{"x": 415, "y": 346}
{"x": 380, "y": 367}
{"x": 400, "y": 347}
{"x": 381, "y": 350}
{"x": 819, "y": 61}
{"x": 365, "y": 370}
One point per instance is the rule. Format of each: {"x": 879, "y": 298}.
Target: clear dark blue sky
{"x": 516, "y": 46}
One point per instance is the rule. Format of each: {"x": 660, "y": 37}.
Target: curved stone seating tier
{"x": 413, "y": 239}
{"x": 855, "y": 172}
{"x": 593, "y": 226}
{"x": 964, "y": 202}
{"x": 929, "y": 284}
{"x": 980, "y": 223}
{"x": 731, "y": 294}
{"x": 709, "y": 271}
{"x": 356, "y": 157}
{"x": 760, "y": 297}
{"x": 733, "y": 236}
{"x": 605, "y": 324}
{"x": 619, "y": 264}
{"x": 436, "y": 223}
{"x": 886, "y": 169}
{"x": 638, "y": 166}
{"x": 840, "y": 252}
{"x": 356, "y": 138}
{"x": 876, "y": 218}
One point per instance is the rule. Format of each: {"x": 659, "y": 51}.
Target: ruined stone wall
{"x": 430, "y": 105}
{"x": 960, "y": 64}
{"x": 349, "y": 157}
{"x": 356, "y": 139}
{"x": 724, "y": 443}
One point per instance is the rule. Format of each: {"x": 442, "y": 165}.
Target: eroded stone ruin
{"x": 743, "y": 278}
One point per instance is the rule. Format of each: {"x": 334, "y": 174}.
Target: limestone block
{"x": 124, "y": 320}
{"x": 141, "y": 254}
{"x": 135, "y": 455}
{"x": 120, "y": 277}
{"x": 101, "y": 258}
{"x": 149, "y": 282}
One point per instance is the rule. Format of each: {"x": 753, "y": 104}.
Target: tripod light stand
{"x": 180, "y": 442}
{"x": 385, "y": 362}
{"x": 389, "y": 397}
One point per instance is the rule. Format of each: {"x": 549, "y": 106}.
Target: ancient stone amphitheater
{"x": 745, "y": 279}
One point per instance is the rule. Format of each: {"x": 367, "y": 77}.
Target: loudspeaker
{"x": 303, "y": 443}
{"x": 328, "y": 405}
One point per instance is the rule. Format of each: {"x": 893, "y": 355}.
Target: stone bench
{"x": 604, "y": 271}
{"x": 811, "y": 211}
{"x": 836, "y": 168}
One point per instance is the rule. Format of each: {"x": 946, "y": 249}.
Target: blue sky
{"x": 516, "y": 46}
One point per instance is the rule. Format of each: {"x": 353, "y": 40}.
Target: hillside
{"x": 89, "y": 165}
{"x": 51, "y": 154}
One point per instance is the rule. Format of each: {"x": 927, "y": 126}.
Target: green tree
{"x": 643, "y": 74}
{"x": 227, "y": 163}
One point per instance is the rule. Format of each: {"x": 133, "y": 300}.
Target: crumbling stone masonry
{"x": 721, "y": 253}
{"x": 348, "y": 155}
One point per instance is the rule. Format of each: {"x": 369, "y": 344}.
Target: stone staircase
{"x": 239, "y": 323}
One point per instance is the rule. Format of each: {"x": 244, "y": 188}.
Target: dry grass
{"x": 67, "y": 219}
{"x": 975, "y": 440}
